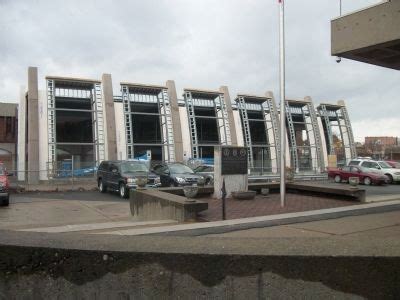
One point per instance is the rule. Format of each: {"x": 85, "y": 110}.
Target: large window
{"x": 146, "y": 129}
{"x": 258, "y": 133}
{"x": 262, "y": 160}
{"x": 207, "y": 131}
{"x": 303, "y": 139}
{"x": 82, "y": 155}
{"x": 156, "y": 153}
{"x": 75, "y": 141}
{"x": 8, "y": 133}
{"x": 74, "y": 127}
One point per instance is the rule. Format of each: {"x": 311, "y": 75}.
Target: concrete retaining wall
{"x": 152, "y": 204}
{"x": 37, "y": 272}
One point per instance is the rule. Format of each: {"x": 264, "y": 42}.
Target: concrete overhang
{"x": 73, "y": 82}
{"x": 252, "y": 98}
{"x": 297, "y": 102}
{"x": 370, "y": 35}
{"x": 330, "y": 106}
{"x": 140, "y": 88}
{"x": 203, "y": 94}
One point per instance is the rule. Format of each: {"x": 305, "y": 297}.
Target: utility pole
{"x": 282, "y": 98}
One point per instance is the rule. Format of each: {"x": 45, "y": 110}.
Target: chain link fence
{"x": 52, "y": 180}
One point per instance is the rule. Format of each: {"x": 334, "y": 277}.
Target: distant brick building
{"x": 382, "y": 140}
{"x": 8, "y": 134}
{"x": 382, "y": 147}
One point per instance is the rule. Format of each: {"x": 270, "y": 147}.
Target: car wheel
{"x": 367, "y": 181}
{"x": 338, "y": 179}
{"x": 123, "y": 191}
{"x": 5, "y": 201}
{"x": 208, "y": 181}
{"x": 390, "y": 181}
{"x": 101, "y": 186}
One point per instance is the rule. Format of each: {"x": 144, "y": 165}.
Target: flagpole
{"x": 282, "y": 98}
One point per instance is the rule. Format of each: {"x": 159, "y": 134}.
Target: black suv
{"x": 122, "y": 175}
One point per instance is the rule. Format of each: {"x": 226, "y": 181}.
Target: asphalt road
{"x": 383, "y": 190}
{"x": 80, "y": 196}
{"x": 373, "y": 190}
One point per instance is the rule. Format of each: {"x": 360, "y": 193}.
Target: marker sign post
{"x": 233, "y": 160}
{"x": 230, "y": 164}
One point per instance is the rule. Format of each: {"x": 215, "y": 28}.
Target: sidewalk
{"x": 270, "y": 205}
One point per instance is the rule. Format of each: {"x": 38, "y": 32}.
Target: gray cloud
{"x": 200, "y": 44}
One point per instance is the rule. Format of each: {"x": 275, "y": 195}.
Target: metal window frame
{"x": 307, "y": 111}
{"x": 74, "y": 92}
{"x": 159, "y": 97}
{"x": 270, "y": 121}
{"x": 215, "y": 100}
{"x": 338, "y": 114}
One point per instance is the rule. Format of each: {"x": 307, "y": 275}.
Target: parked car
{"x": 122, "y": 175}
{"x": 207, "y": 171}
{"x": 365, "y": 176}
{"x": 381, "y": 166}
{"x": 4, "y": 186}
{"x": 393, "y": 164}
{"x": 177, "y": 174}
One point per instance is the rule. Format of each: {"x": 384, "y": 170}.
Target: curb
{"x": 199, "y": 229}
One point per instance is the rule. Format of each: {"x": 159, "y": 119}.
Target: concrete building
{"x": 69, "y": 125}
{"x": 8, "y": 134}
{"x": 370, "y": 35}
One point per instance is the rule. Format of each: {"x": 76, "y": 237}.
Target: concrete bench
{"x": 203, "y": 190}
{"x": 343, "y": 190}
{"x": 147, "y": 205}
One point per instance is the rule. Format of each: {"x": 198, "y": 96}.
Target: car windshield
{"x": 133, "y": 167}
{"x": 180, "y": 169}
{"x": 384, "y": 165}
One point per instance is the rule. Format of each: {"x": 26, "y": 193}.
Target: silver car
{"x": 207, "y": 171}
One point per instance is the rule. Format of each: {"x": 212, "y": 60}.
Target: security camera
{"x": 338, "y": 59}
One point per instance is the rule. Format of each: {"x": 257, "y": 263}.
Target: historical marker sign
{"x": 233, "y": 160}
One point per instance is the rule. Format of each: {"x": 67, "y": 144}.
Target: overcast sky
{"x": 199, "y": 44}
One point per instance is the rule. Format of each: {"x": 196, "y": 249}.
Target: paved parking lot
{"x": 65, "y": 208}
{"x": 57, "y": 196}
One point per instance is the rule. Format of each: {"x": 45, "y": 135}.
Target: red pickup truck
{"x": 4, "y": 186}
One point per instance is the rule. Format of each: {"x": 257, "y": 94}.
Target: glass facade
{"x": 258, "y": 132}
{"x": 74, "y": 129}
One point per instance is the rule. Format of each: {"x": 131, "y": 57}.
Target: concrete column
{"x": 231, "y": 120}
{"x": 109, "y": 113}
{"x": 176, "y": 120}
{"x": 33, "y": 126}
{"x": 21, "y": 134}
